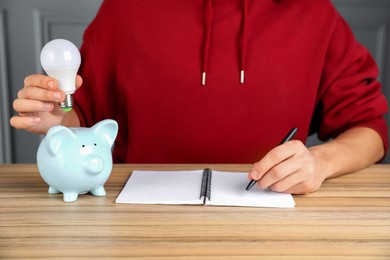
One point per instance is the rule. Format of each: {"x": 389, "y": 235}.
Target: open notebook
{"x": 198, "y": 187}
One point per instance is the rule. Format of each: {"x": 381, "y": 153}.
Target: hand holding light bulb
{"x": 61, "y": 60}
{"x": 37, "y": 101}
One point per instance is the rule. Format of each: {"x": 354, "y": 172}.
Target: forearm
{"x": 352, "y": 150}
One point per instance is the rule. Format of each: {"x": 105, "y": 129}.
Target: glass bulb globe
{"x": 61, "y": 60}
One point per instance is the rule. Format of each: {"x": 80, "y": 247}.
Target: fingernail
{"x": 50, "y": 84}
{"x": 57, "y": 95}
{"x": 254, "y": 174}
{"x": 47, "y": 106}
{"x": 36, "y": 119}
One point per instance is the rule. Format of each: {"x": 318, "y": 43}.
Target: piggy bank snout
{"x": 94, "y": 164}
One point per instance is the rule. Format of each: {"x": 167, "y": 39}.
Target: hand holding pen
{"x": 287, "y": 138}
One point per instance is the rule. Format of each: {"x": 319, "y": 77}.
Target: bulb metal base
{"x": 67, "y": 104}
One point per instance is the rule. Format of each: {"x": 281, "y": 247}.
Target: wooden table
{"x": 349, "y": 217}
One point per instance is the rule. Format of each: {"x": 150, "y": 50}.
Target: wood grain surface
{"x": 348, "y": 218}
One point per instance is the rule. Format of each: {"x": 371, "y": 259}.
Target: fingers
{"x": 36, "y": 104}
{"x": 302, "y": 188}
{"x": 25, "y": 106}
{"x": 287, "y": 183}
{"x": 37, "y": 93}
{"x": 39, "y": 87}
{"x": 41, "y": 81}
{"x": 25, "y": 122}
{"x": 44, "y": 88}
{"x": 287, "y": 168}
{"x": 46, "y": 82}
{"x": 272, "y": 158}
{"x": 281, "y": 177}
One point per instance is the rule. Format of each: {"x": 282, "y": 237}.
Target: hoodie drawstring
{"x": 207, "y": 36}
{"x": 243, "y": 39}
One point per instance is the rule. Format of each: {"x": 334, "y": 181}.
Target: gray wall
{"x": 25, "y": 25}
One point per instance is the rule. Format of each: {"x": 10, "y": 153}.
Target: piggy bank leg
{"x": 70, "y": 196}
{"x": 99, "y": 191}
{"x": 53, "y": 191}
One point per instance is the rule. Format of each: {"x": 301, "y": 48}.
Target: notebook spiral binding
{"x": 205, "y": 191}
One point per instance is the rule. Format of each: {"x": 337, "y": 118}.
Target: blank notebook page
{"x": 162, "y": 187}
{"x": 228, "y": 189}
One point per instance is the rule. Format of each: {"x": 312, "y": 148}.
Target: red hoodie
{"x": 142, "y": 65}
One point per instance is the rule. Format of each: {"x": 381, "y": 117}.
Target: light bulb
{"x": 61, "y": 60}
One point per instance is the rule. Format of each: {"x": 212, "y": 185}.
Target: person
{"x": 223, "y": 82}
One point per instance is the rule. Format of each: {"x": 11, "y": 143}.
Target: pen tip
{"x": 250, "y": 185}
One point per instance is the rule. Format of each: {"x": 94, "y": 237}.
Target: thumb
{"x": 79, "y": 81}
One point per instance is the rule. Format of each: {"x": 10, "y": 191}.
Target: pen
{"x": 286, "y": 139}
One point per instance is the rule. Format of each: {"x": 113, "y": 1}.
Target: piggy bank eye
{"x": 83, "y": 146}
{"x": 94, "y": 144}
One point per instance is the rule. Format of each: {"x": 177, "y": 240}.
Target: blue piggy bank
{"x": 77, "y": 160}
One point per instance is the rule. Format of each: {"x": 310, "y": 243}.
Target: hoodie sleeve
{"x": 350, "y": 95}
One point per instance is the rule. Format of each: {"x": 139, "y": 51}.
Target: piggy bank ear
{"x": 57, "y": 136}
{"x": 107, "y": 129}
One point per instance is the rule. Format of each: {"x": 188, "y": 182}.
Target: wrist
{"x": 324, "y": 163}
{"x": 349, "y": 152}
